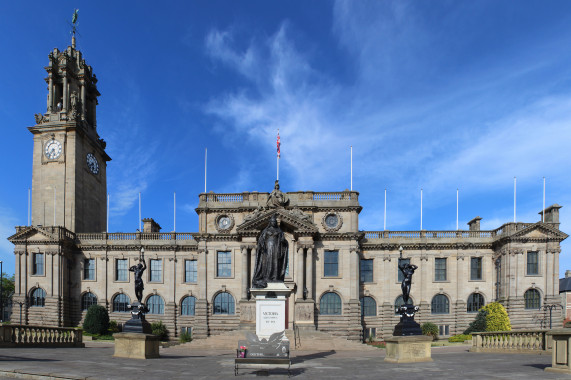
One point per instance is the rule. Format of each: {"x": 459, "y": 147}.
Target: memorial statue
{"x": 138, "y": 270}
{"x": 271, "y": 256}
{"x": 277, "y": 198}
{"x": 407, "y": 272}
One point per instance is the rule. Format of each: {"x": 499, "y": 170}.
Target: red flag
{"x": 278, "y": 144}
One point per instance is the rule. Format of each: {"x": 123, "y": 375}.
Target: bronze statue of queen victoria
{"x": 271, "y": 256}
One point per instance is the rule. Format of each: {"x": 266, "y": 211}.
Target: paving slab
{"x": 96, "y": 361}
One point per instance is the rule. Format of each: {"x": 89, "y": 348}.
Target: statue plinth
{"x": 136, "y": 345}
{"x": 270, "y": 308}
{"x": 408, "y": 349}
{"x": 407, "y": 325}
{"x": 137, "y": 323}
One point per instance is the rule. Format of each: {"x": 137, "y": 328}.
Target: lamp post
{"x": 21, "y": 304}
{"x": 551, "y": 307}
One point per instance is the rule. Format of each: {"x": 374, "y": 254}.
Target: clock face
{"x": 224, "y": 222}
{"x": 331, "y": 220}
{"x": 92, "y": 163}
{"x": 52, "y": 149}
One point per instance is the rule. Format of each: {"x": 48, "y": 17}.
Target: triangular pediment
{"x": 539, "y": 231}
{"x": 293, "y": 219}
{"x": 31, "y": 234}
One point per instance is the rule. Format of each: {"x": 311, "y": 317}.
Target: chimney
{"x": 474, "y": 224}
{"x": 149, "y": 226}
{"x": 567, "y": 273}
{"x": 552, "y": 214}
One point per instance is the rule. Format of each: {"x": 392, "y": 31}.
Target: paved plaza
{"x": 96, "y": 361}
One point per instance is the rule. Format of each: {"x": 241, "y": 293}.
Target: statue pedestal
{"x": 270, "y": 308}
{"x": 136, "y": 345}
{"x": 407, "y": 325}
{"x": 408, "y": 349}
{"x": 137, "y": 323}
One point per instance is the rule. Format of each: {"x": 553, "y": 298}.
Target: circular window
{"x": 332, "y": 222}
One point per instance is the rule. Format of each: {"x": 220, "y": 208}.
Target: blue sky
{"x": 436, "y": 95}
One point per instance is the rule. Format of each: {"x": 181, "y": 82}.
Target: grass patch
{"x": 99, "y": 336}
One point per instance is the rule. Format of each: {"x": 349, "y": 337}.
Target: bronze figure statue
{"x": 407, "y": 271}
{"x": 271, "y": 256}
{"x": 138, "y": 270}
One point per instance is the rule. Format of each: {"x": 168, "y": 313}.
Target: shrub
{"x": 567, "y": 324}
{"x": 113, "y": 327}
{"x": 479, "y": 323}
{"x": 96, "y": 320}
{"x": 459, "y": 338}
{"x": 497, "y": 318}
{"x": 185, "y": 337}
{"x": 160, "y": 330}
{"x": 430, "y": 329}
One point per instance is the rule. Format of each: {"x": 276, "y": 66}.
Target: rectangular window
{"x": 38, "y": 267}
{"x": 444, "y": 330}
{"x": 331, "y": 264}
{"x": 89, "y": 269}
{"x": 121, "y": 270}
{"x": 440, "y": 269}
{"x": 224, "y": 264}
{"x": 366, "y": 270}
{"x": 475, "y": 268}
{"x": 190, "y": 271}
{"x": 399, "y": 273}
{"x": 156, "y": 270}
{"x": 532, "y": 263}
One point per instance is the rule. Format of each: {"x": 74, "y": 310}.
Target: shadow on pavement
{"x": 318, "y": 355}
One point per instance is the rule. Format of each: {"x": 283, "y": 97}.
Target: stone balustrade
{"x": 428, "y": 234}
{"x": 40, "y": 336}
{"x": 519, "y": 341}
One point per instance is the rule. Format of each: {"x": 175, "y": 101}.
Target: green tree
{"x": 7, "y": 289}
{"x": 96, "y": 320}
{"x": 479, "y": 324}
{"x": 430, "y": 329}
{"x": 160, "y": 330}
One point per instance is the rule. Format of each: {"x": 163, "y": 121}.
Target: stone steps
{"x": 310, "y": 340}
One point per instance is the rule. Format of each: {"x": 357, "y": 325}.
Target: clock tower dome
{"x": 69, "y": 183}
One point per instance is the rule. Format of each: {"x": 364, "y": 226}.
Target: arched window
{"x": 532, "y": 299}
{"x": 399, "y": 302}
{"x": 368, "y": 307}
{"x": 475, "y": 302}
{"x": 87, "y": 300}
{"x": 440, "y": 304}
{"x": 224, "y": 304}
{"x": 120, "y": 303}
{"x": 156, "y": 304}
{"x": 330, "y": 304}
{"x": 38, "y": 297}
{"x": 187, "y": 305}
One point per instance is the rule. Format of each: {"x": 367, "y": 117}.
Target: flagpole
{"x": 351, "y": 167}
{"x": 515, "y": 197}
{"x": 174, "y": 228}
{"x": 421, "y": 208}
{"x": 205, "y": 162}
{"x": 107, "y": 213}
{"x": 385, "y": 217}
{"x": 29, "y": 197}
{"x": 140, "y": 228}
{"x": 543, "y": 212}
{"x": 456, "y": 209}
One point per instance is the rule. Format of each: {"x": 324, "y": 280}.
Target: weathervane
{"x": 74, "y": 26}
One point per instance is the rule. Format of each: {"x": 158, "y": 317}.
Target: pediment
{"x": 31, "y": 234}
{"x": 293, "y": 219}
{"x": 539, "y": 231}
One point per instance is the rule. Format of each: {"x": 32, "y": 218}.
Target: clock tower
{"x": 69, "y": 184}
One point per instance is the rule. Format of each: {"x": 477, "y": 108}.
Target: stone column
{"x": 50, "y": 94}
{"x": 299, "y": 272}
{"x": 309, "y": 273}
{"x": 244, "y": 250}
{"x": 65, "y": 101}
{"x": 354, "y": 273}
{"x": 253, "y": 259}
{"x": 83, "y": 99}
{"x": 202, "y": 275}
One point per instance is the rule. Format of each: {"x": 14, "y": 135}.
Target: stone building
{"x": 345, "y": 281}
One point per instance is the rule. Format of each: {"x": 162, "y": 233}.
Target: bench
{"x": 266, "y": 362}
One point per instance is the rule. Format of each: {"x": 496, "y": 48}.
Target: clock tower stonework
{"x": 69, "y": 184}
